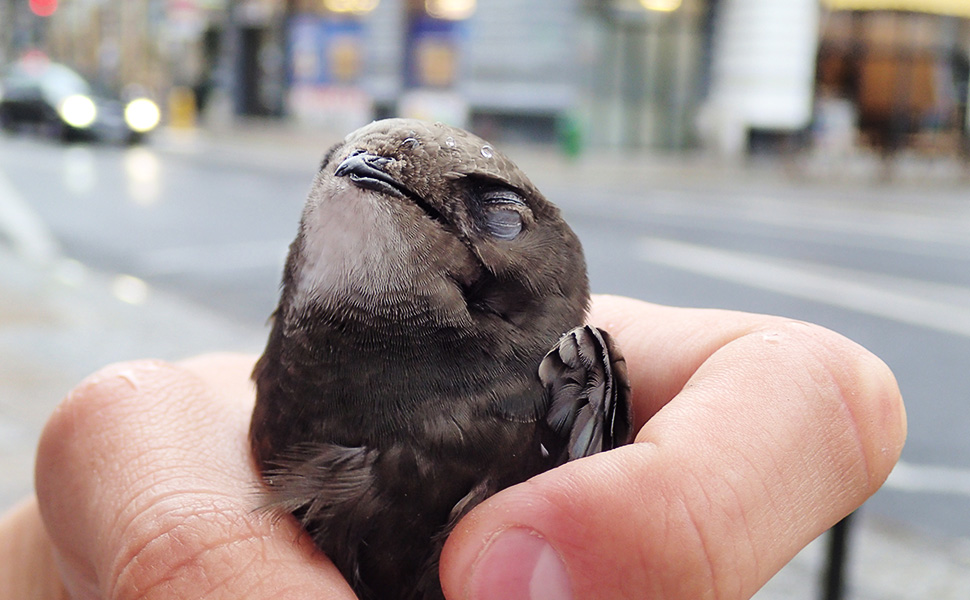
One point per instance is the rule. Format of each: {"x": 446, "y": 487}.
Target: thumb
{"x": 147, "y": 490}
{"x": 771, "y": 441}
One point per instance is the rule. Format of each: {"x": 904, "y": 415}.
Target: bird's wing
{"x": 588, "y": 392}
{"x": 318, "y": 477}
{"x": 330, "y": 489}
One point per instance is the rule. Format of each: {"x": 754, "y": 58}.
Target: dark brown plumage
{"x": 406, "y": 377}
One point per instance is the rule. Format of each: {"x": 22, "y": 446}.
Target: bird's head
{"x": 425, "y": 224}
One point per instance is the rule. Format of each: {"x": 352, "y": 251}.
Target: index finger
{"x": 665, "y": 345}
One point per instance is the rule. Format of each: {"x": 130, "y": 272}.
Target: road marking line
{"x": 867, "y": 293}
{"x": 933, "y": 479}
{"x": 854, "y": 221}
{"x": 926, "y": 243}
{"x": 932, "y": 236}
{"x": 30, "y": 237}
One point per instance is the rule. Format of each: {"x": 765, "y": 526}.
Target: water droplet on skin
{"x": 772, "y": 338}
{"x": 487, "y": 151}
{"x": 450, "y": 142}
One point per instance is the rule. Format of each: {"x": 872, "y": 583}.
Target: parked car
{"x": 37, "y": 94}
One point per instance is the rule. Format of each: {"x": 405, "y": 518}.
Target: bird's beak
{"x": 367, "y": 171}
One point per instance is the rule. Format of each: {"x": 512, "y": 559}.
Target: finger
{"x": 781, "y": 429}
{"x": 667, "y": 344}
{"x": 228, "y": 375}
{"x": 26, "y": 560}
{"x": 147, "y": 488}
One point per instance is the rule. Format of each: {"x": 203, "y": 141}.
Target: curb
{"x": 25, "y": 231}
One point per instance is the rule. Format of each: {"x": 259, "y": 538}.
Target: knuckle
{"x": 178, "y": 551}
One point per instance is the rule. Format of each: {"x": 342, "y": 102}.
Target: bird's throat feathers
{"x": 360, "y": 255}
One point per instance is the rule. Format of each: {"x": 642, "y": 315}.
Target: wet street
{"x": 886, "y": 266}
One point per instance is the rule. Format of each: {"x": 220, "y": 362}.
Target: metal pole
{"x": 833, "y": 577}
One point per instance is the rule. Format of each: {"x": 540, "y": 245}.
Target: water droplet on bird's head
{"x": 487, "y": 151}
{"x": 450, "y": 142}
{"x": 410, "y": 143}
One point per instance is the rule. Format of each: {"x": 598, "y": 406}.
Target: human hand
{"x": 147, "y": 489}
{"x": 763, "y": 433}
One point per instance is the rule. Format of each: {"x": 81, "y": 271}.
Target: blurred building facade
{"x": 762, "y": 68}
{"x": 151, "y": 44}
{"x": 900, "y": 78}
{"x": 624, "y": 73}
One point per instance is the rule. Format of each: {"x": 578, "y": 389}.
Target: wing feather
{"x": 588, "y": 392}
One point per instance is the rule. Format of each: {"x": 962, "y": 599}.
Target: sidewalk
{"x": 59, "y": 321}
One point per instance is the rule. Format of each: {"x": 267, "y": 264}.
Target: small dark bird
{"x": 428, "y": 350}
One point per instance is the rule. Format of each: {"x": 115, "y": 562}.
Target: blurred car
{"x": 41, "y": 95}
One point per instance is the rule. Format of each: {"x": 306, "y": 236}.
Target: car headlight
{"x": 78, "y": 111}
{"x": 142, "y": 115}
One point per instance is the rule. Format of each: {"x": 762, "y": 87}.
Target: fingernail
{"x": 518, "y": 564}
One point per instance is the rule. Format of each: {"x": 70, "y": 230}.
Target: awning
{"x": 958, "y": 8}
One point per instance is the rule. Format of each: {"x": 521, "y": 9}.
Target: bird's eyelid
{"x": 504, "y": 196}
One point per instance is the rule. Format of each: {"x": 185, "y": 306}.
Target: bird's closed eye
{"x": 503, "y": 214}
{"x": 504, "y": 223}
